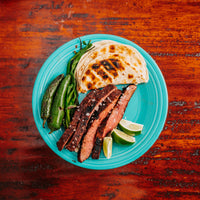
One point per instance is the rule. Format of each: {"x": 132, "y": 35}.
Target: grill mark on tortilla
{"x": 87, "y": 112}
{"x": 83, "y": 79}
{"x": 104, "y": 68}
{"x": 95, "y": 55}
{"x": 110, "y": 67}
{"x": 112, "y": 49}
{"x": 92, "y": 83}
{"x": 121, "y": 48}
{"x": 117, "y": 64}
{"x": 127, "y": 63}
{"x": 103, "y": 50}
{"x": 95, "y": 66}
{"x": 89, "y": 85}
{"x": 92, "y": 76}
{"x": 107, "y": 65}
{"x": 104, "y": 75}
{"x": 87, "y": 72}
{"x": 139, "y": 62}
{"x": 127, "y": 50}
{"x": 130, "y": 76}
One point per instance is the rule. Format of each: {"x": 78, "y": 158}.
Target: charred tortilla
{"x": 110, "y": 62}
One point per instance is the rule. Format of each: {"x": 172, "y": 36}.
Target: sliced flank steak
{"x": 111, "y": 122}
{"x": 89, "y": 109}
{"x": 96, "y": 119}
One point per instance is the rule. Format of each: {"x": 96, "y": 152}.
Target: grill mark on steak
{"x": 86, "y": 115}
{"x": 97, "y": 117}
{"x": 76, "y": 117}
{"x": 111, "y": 122}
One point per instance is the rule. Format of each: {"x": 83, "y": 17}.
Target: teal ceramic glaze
{"x": 148, "y": 106}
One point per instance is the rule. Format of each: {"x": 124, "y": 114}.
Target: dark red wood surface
{"x": 31, "y": 30}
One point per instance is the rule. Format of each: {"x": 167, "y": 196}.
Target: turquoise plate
{"x": 148, "y": 106}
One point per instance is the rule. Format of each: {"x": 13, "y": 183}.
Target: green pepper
{"x": 48, "y": 98}
{"x": 57, "y": 110}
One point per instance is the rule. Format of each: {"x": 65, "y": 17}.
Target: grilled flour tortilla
{"x": 110, "y": 62}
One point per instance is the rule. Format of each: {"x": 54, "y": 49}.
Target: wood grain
{"x": 31, "y": 30}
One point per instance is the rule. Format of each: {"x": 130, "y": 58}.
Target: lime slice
{"x": 122, "y": 138}
{"x": 130, "y": 128}
{"x": 107, "y": 147}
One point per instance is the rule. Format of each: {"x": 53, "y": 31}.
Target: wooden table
{"x": 33, "y": 29}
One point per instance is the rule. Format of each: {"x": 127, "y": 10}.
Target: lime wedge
{"x": 130, "y": 128}
{"x": 122, "y": 138}
{"x": 107, "y": 146}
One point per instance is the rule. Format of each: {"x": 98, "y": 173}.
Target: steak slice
{"x": 112, "y": 120}
{"x": 97, "y": 117}
{"x": 86, "y": 115}
{"x": 98, "y": 142}
{"x": 76, "y": 117}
